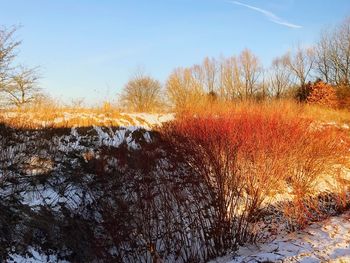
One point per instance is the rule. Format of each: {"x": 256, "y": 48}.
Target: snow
{"x": 123, "y": 134}
{"x": 148, "y": 120}
{"x": 39, "y": 196}
{"x": 106, "y": 139}
{"x": 345, "y": 126}
{"x": 326, "y": 241}
{"x": 34, "y": 257}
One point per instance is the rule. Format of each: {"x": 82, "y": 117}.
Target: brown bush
{"x": 323, "y": 94}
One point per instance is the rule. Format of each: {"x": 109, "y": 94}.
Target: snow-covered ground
{"x": 34, "y": 257}
{"x": 325, "y": 241}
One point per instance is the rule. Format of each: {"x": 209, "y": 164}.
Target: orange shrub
{"x": 247, "y": 157}
{"x": 323, "y": 94}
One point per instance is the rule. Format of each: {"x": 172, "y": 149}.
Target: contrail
{"x": 271, "y": 16}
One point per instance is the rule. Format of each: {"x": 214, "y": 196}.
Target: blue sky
{"x": 89, "y": 48}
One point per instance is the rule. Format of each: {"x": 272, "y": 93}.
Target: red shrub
{"x": 247, "y": 157}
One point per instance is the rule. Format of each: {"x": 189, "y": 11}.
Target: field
{"x": 92, "y": 185}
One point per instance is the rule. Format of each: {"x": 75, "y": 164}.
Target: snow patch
{"x": 34, "y": 256}
{"x": 327, "y": 241}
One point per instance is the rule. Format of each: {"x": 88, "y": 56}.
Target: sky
{"x": 88, "y": 49}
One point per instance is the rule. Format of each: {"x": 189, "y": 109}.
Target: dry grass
{"x": 285, "y": 107}
{"x": 53, "y": 116}
{"x": 208, "y": 176}
{"x": 57, "y": 116}
{"x": 288, "y": 108}
{"x": 328, "y": 115}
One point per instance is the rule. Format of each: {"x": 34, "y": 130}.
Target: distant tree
{"x": 342, "y": 43}
{"x": 207, "y": 75}
{"x": 250, "y": 71}
{"x": 280, "y": 78}
{"x": 323, "y": 58}
{"x": 263, "y": 84}
{"x": 333, "y": 55}
{"x": 22, "y": 87}
{"x": 300, "y": 63}
{"x": 184, "y": 89}
{"x": 210, "y": 70}
{"x": 18, "y": 84}
{"x": 142, "y": 94}
{"x": 221, "y": 79}
{"x": 231, "y": 85}
{"x": 7, "y": 53}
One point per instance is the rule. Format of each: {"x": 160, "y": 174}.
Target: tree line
{"x": 232, "y": 78}
{"x": 244, "y": 76}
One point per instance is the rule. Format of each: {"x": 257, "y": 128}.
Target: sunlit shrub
{"x": 322, "y": 94}
{"x": 247, "y": 157}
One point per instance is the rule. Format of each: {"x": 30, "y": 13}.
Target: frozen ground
{"x": 326, "y": 241}
{"x": 34, "y": 257}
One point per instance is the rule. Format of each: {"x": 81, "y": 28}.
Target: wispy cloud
{"x": 271, "y": 16}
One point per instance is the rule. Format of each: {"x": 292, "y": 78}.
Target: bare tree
{"x": 250, "y": 72}
{"x": 18, "y": 84}
{"x": 210, "y": 69}
{"x": 340, "y": 53}
{"x": 323, "y": 58}
{"x": 230, "y": 81}
{"x": 184, "y": 88}
{"x": 333, "y": 54}
{"x": 196, "y": 76}
{"x": 22, "y": 88}
{"x": 141, "y": 94}
{"x": 342, "y": 43}
{"x": 7, "y": 52}
{"x": 226, "y": 78}
{"x": 280, "y": 77}
{"x": 206, "y": 74}
{"x": 300, "y": 64}
{"x": 263, "y": 86}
